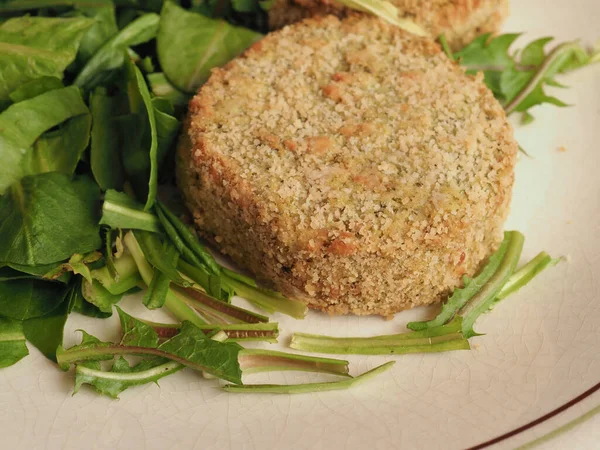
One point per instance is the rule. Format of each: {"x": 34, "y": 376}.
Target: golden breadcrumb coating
{"x": 459, "y": 20}
{"x": 349, "y": 164}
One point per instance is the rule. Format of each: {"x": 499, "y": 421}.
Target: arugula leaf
{"x": 34, "y": 88}
{"x": 46, "y": 332}
{"x": 309, "y": 387}
{"x": 12, "y": 342}
{"x": 46, "y": 218}
{"x": 40, "y": 114}
{"x": 105, "y": 156}
{"x": 122, "y": 376}
{"x": 32, "y": 47}
{"x": 111, "y": 55}
{"x": 98, "y": 296}
{"x": 518, "y": 79}
{"x": 119, "y": 210}
{"x": 26, "y": 299}
{"x": 189, "y": 45}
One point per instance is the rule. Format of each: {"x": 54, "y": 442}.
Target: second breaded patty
{"x": 459, "y": 20}
{"x": 349, "y": 164}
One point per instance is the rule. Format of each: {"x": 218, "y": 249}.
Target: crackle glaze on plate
{"x": 540, "y": 351}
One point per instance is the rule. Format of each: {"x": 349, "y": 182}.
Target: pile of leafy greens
{"x": 92, "y": 94}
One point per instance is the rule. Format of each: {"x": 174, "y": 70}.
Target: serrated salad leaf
{"x": 518, "y": 79}
{"x": 123, "y": 376}
{"x": 135, "y": 332}
{"x": 461, "y": 296}
{"x": 191, "y": 347}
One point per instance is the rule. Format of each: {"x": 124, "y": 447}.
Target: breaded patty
{"x": 459, "y": 20}
{"x": 349, "y": 164}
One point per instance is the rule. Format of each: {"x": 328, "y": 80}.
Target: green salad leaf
{"x": 12, "y": 342}
{"x": 119, "y": 210}
{"x": 96, "y": 294}
{"x": 105, "y": 155}
{"x": 140, "y": 154}
{"x": 33, "y": 47}
{"x": 111, "y": 56}
{"x": 29, "y": 298}
{"x": 189, "y": 45}
{"x": 46, "y": 332}
{"x": 47, "y": 218}
{"x": 59, "y": 150}
{"x": 104, "y": 27}
{"x": 161, "y": 88}
{"x": 35, "y": 87}
{"x": 40, "y": 114}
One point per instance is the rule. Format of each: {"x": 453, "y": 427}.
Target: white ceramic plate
{"x": 541, "y": 349}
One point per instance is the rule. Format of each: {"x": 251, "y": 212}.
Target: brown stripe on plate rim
{"x": 539, "y": 420}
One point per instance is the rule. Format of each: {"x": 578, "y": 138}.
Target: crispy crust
{"x": 349, "y": 164}
{"x": 459, "y": 20}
